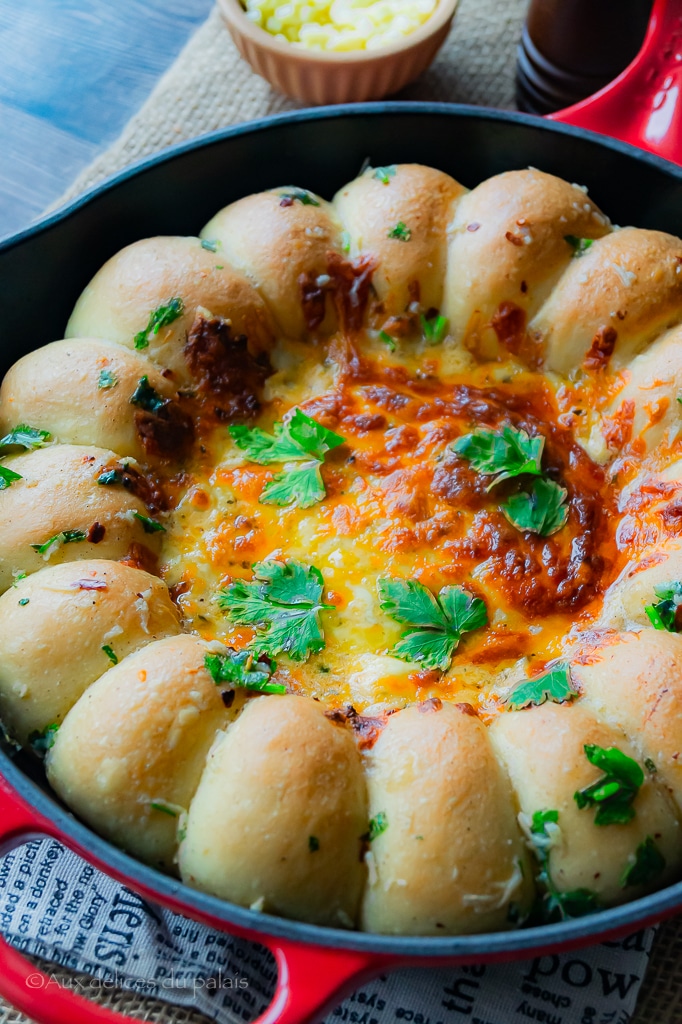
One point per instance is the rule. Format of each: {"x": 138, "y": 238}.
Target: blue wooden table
{"x": 72, "y": 72}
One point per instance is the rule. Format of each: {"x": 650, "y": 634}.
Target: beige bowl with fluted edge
{"x": 318, "y": 77}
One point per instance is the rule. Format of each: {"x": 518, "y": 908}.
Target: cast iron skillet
{"x": 42, "y": 271}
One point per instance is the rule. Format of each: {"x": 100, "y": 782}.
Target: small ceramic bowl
{"x": 318, "y": 77}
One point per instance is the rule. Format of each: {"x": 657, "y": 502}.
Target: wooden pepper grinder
{"x": 571, "y": 48}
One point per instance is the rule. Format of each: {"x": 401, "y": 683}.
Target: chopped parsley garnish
{"x": 650, "y": 766}
{"x": 384, "y": 174}
{"x": 542, "y": 510}
{"x": 160, "y": 317}
{"x": 300, "y": 195}
{"x": 17, "y": 576}
{"x": 149, "y": 525}
{"x": 163, "y": 808}
{"x": 649, "y": 863}
{"x": 544, "y": 833}
{"x": 437, "y": 623}
{"x": 240, "y": 668}
{"x": 578, "y": 245}
{"x": 554, "y": 685}
{"x": 24, "y": 601}
{"x": 615, "y": 791}
{"x": 41, "y": 742}
{"x": 663, "y": 614}
{"x": 387, "y": 340}
{"x": 434, "y": 330}
{"x": 111, "y": 654}
{"x": 8, "y": 477}
{"x": 377, "y": 826}
{"x": 345, "y": 241}
{"x": 284, "y": 603}
{"x": 401, "y": 232}
{"x": 146, "y": 397}
{"x": 109, "y": 477}
{"x": 299, "y": 439}
{"x": 65, "y": 537}
{"x": 107, "y": 379}
{"x": 26, "y": 437}
{"x": 313, "y": 844}
{"x": 212, "y": 244}
{"x": 501, "y": 454}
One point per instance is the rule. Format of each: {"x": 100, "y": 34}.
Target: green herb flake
{"x": 437, "y": 623}
{"x": 26, "y": 437}
{"x": 298, "y": 195}
{"x": 109, "y": 477}
{"x": 614, "y": 793}
{"x": 18, "y": 576}
{"x": 145, "y": 397}
{"x": 501, "y": 454}
{"x": 149, "y": 525}
{"x": 578, "y": 245}
{"x": 24, "y": 601}
{"x": 283, "y": 602}
{"x": 41, "y": 742}
{"x": 542, "y": 510}
{"x": 384, "y": 174}
{"x": 377, "y": 826}
{"x": 111, "y": 654}
{"x": 663, "y": 614}
{"x": 345, "y": 241}
{"x": 211, "y": 244}
{"x": 313, "y": 844}
{"x": 242, "y": 669}
{"x": 650, "y": 766}
{"x": 8, "y": 477}
{"x": 387, "y": 340}
{"x": 400, "y": 232}
{"x": 434, "y": 330}
{"x": 301, "y": 486}
{"x": 160, "y": 317}
{"x": 556, "y": 905}
{"x": 649, "y": 863}
{"x": 107, "y": 380}
{"x": 163, "y": 808}
{"x": 65, "y": 537}
{"x": 554, "y": 685}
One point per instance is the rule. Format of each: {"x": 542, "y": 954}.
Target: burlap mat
{"x": 210, "y": 87}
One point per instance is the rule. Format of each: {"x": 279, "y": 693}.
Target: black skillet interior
{"x": 43, "y": 270}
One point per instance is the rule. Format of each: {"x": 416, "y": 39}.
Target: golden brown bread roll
{"x": 83, "y": 391}
{"x": 508, "y": 247}
{"x": 63, "y": 627}
{"x": 449, "y": 859}
{"x": 167, "y": 279}
{"x": 129, "y": 755}
{"x": 58, "y": 499}
{"x": 278, "y": 816}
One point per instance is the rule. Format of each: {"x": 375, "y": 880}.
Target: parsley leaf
{"x": 149, "y": 525}
{"x": 238, "y": 668}
{"x": 41, "y": 742}
{"x": 614, "y": 792}
{"x": 384, "y": 174}
{"x": 111, "y": 654}
{"x": 578, "y": 245}
{"x": 26, "y": 437}
{"x": 65, "y": 537}
{"x": 345, "y": 241}
{"x": 107, "y": 379}
{"x": 283, "y": 602}
{"x": 163, "y": 808}
{"x": 301, "y": 486}
{"x": 146, "y": 397}
{"x": 110, "y": 476}
{"x": 554, "y": 685}
{"x": 386, "y": 338}
{"x": 160, "y": 317}
{"x": 377, "y": 826}
{"x": 501, "y": 454}
{"x": 543, "y": 510}
{"x": 649, "y": 863}
{"x": 211, "y": 244}
{"x": 299, "y": 438}
{"x": 663, "y": 614}
{"x": 8, "y": 477}
{"x": 401, "y": 232}
{"x": 434, "y": 330}
{"x": 544, "y": 833}
{"x": 440, "y": 622}
{"x": 300, "y": 195}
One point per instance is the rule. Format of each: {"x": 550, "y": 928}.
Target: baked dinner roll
{"x": 399, "y": 216}
{"x": 507, "y": 249}
{"x": 446, "y": 857}
{"x": 543, "y": 749}
{"x": 63, "y": 627}
{"x": 281, "y": 241}
{"x": 277, "y": 820}
{"x": 129, "y": 755}
{"x": 612, "y": 301}
{"x": 88, "y": 391}
{"x": 633, "y": 681}
{"x": 626, "y": 600}
{"x": 58, "y": 499}
{"x": 148, "y": 294}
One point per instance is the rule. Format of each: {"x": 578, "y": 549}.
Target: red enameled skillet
{"x": 42, "y": 271}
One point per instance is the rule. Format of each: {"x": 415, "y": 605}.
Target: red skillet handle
{"x": 310, "y": 980}
{"x": 643, "y": 106}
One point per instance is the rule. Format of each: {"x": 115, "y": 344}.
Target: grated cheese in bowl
{"x": 340, "y": 25}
